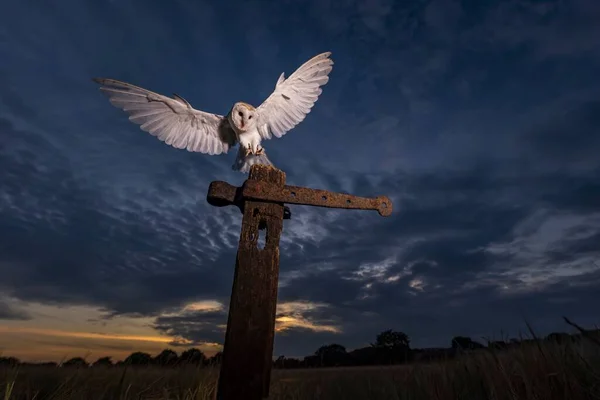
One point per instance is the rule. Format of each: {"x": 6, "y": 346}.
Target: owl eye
{"x": 250, "y": 117}
{"x": 240, "y": 114}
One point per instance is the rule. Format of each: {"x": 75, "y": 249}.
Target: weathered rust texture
{"x": 248, "y": 348}
{"x": 263, "y": 191}
{"x": 222, "y": 194}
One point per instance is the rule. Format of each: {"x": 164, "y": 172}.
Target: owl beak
{"x": 242, "y": 124}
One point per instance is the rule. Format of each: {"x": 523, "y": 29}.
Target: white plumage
{"x": 177, "y": 123}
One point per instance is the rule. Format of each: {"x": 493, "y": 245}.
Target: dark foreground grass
{"x": 546, "y": 371}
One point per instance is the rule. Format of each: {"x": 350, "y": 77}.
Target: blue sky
{"x": 480, "y": 119}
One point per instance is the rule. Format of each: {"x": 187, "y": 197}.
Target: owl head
{"x": 242, "y": 117}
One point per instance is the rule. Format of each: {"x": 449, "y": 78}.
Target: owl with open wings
{"x": 175, "y": 122}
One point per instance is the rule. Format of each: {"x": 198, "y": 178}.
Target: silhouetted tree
{"x": 311, "y": 361}
{"x": 75, "y": 362}
{"x": 9, "y": 361}
{"x": 138, "y": 358}
{"x": 367, "y": 356}
{"x": 392, "y": 347}
{"x": 465, "y": 343}
{"x": 290, "y": 363}
{"x": 332, "y": 355}
{"x": 391, "y": 339}
{"x": 192, "y": 356}
{"x": 280, "y": 362}
{"x": 103, "y": 362}
{"x": 216, "y": 359}
{"x": 166, "y": 357}
{"x": 330, "y": 349}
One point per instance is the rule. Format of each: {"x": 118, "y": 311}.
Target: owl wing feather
{"x": 293, "y": 97}
{"x": 172, "y": 120}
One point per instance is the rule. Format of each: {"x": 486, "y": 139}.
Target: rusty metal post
{"x": 248, "y": 348}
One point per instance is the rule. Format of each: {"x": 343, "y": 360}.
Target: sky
{"x": 479, "y": 119}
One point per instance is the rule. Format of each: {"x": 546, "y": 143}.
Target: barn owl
{"x": 175, "y": 122}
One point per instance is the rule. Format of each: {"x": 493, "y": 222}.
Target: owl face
{"x": 243, "y": 117}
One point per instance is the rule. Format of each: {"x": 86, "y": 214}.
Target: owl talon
{"x": 260, "y": 152}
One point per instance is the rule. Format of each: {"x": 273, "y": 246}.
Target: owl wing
{"x": 293, "y": 97}
{"x": 172, "y": 120}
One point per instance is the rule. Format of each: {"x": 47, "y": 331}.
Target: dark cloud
{"x": 65, "y": 242}
{"x": 8, "y": 311}
{"x": 196, "y": 326}
{"x": 480, "y": 122}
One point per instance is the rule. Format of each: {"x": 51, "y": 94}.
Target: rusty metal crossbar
{"x": 222, "y": 194}
{"x": 248, "y": 348}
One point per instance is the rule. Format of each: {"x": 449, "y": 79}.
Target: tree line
{"x": 390, "y": 347}
{"x": 166, "y": 358}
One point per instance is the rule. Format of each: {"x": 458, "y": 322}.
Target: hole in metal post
{"x": 384, "y": 205}
{"x": 348, "y": 201}
{"x": 262, "y": 236}
{"x": 293, "y": 194}
{"x": 324, "y": 197}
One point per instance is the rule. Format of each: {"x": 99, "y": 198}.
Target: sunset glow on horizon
{"x": 55, "y": 333}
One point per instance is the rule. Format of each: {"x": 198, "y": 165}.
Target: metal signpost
{"x": 248, "y": 348}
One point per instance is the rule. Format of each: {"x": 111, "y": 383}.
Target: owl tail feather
{"x": 243, "y": 163}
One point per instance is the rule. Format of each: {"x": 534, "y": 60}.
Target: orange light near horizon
{"x": 285, "y": 323}
{"x": 92, "y": 335}
{"x": 26, "y": 347}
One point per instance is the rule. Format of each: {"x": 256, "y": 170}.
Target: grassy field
{"x": 545, "y": 372}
